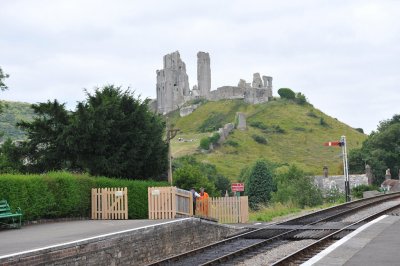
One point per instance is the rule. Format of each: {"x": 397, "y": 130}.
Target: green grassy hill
{"x": 294, "y": 133}
{"x": 14, "y": 112}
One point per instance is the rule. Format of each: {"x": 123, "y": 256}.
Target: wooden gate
{"x": 109, "y": 203}
{"x": 169, "y": 202}
{"x": 224, "y": 209}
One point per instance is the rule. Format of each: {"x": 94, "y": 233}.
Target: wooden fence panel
{"x": 109, "y": 203}
{"x": 244, "y": 209}
{"x": 169, "y": 202}
{"x": 224, "y": 209}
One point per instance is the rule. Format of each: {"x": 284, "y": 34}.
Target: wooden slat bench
{"x": 12, "y": 220}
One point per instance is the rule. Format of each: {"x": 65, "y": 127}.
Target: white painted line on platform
{"x": 329, "y": 249}
{"x": 89, "y": 238}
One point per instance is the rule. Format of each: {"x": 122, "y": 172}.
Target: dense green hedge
{"x": 62, "y": 194}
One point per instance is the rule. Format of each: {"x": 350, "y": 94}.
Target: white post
{"x": 345, "y": 167}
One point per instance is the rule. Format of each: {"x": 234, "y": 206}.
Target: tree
{"x": 218, "y": 184}
{"x": 46, "y": 148}
{"x": 260, "y": 184}
{"x": 3, "y": 76}
{"x": 111, "y": 134}
{"x": 114, "y": 134}
{"x": 381, "y": 150}
{"x": 296, "y": 187}
{"x": 3, "y": 86}
{"x": 286, "y": 93}
{"x": 11, "y": 157}
{"x": 190, "y": 176}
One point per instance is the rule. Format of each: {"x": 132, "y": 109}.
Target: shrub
{"x": 323, "y": 123}
{"x": 205, "y": 143}
{"x": 360, "y": 130}
{"x": 215, "y": 138}
{"x": 301, "y": 98}
{"x": 333, "y": 195}
{"x": 212, "y": 123}
{"x": 278, "y": 129}
{"x": 357, "y": 192}
{"x": 259, "y": 139}
{"x": 286, "y": 93}
{"x": 231, "y": 143}
{"x": 258, "y": 124}
{"x": 296, "y": 187}
{"x": 312, "y": 114}
{"x": 299, "y": 129}
{"x": 63, "y": 194}
{"x": 222, "y": 184}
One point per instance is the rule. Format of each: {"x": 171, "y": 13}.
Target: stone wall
{"x": 133, "y": 247}
{"x": 187, "y": 110}
{"x": 327, "y": 183}
{"x": 241, "y": 121}
{"x": 256, "y": 96}
{"x": 225, "y": 131}
{"x": 249, "y": 95}
{"x": 226, "y": 92}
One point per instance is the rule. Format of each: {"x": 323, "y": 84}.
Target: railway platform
{"x": 375, "y": 243}
{"x": 40, "y": 236}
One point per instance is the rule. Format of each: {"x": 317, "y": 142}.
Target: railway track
{"x": 311, "y": 250}
{"x": 329, "y": 223}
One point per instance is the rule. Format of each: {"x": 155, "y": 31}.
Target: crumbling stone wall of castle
{"x": 172, "y": 84}
{"x": 203, "y": 74}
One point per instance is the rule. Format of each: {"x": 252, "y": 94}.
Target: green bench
{"x": 11, "y": 220}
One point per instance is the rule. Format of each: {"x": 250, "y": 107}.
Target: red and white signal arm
{"x": 333, "y": 143}
{"x": 236, "y": 187}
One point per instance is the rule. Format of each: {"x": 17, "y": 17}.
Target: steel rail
{"x": 255, "y": 246}
{"x": 347, "y": 209}
{"x": 298, "y": 255}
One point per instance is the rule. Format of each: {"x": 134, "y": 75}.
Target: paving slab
{"x": 376, "y": 243}
{"x": 38, "y": 236}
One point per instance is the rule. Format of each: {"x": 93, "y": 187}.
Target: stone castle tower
{"x": 172, "y": 84}
{"x": 203, "y": 74}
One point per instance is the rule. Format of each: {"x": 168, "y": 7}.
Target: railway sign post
{"x": 345, "y": 168}
{"x": 342, "y": 143}
{"x": 237, "y": 187}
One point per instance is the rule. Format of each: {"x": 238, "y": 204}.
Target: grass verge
{"x": 279, "y": 211}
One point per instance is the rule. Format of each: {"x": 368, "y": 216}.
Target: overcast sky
{"x": 343, "y": 55}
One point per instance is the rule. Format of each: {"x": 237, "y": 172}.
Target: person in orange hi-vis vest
{"x": 203, "y": 210}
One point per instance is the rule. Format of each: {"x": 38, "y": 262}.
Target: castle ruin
{"x": 173, "y": 85}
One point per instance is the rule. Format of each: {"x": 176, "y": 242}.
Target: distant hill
{"x": 294, "y": 133}
{"x": 14, "y": 112}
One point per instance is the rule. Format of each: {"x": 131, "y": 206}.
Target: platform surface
{"x": 38, "y": 236}
{"x": 378, "y": 243}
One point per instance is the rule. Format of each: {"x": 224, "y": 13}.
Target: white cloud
{"x": 342, "y": 50}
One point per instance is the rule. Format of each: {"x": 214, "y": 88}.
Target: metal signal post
{"x": 342, "y": 143}
{"x": 345, "y": 168}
